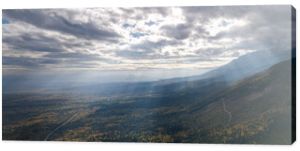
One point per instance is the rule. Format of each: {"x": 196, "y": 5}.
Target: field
{"x": 255, "y": 109}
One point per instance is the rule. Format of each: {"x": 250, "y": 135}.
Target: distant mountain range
{"x": 237, "y": 69}
{"x": 248, "y": 65}
{"x": 253, "y": 107}
{"x": 240, "y": 68}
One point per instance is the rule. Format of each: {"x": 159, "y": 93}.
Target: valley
{"x": 201, "y": 110}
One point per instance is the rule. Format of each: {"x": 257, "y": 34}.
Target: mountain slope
{"x": 248, "y": 65}
{"x": 254, "y": 110}
{"x": 237, "y": 69}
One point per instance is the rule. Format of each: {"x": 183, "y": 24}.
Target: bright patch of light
{"x": 218, "y": 25}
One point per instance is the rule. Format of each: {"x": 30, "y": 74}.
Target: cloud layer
{"x": 141, "y": 38}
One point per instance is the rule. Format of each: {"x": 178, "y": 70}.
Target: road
{"x": 228, "y": 112}
{"x": 60, "y": 126}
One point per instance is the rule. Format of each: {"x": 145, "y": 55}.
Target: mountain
{"x": 256, "y": 109}
{"x": 237, "y": 69}
{"x": 248, "y": 65}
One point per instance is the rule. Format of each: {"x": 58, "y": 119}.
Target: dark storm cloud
{"x": 53, "y": 58}
{"x": 42, "y": 43}
{"x": 54, "y": 21}
{"x": 180, "y": 31}
{"x": 27, "y": 62}
{"x": 33, "y": 43}
{"x": 200, "y": 34}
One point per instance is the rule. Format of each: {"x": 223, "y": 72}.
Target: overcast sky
{"x": 140, "y": 38}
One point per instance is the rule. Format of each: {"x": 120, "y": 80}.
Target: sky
{"x": 159, "y": 39}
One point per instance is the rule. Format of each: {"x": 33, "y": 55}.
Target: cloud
{"x": 76, "y": 57}
{"x": 266, "y": 28}
{"x": 33, "y": 43}
{"x": 146, "y": 49}
{"x": 5, "y": 20}
{"x": 27, "y": 62}
{"x": 148, "y": 45}
{"x": 180, "y": 31}
{"x": 53, "y": 20}
{"x": 142, "y": 38}
{"x": 141, "y": 13}
{"x": 56, "y": 60}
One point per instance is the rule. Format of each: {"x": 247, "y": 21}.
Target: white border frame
{"x": 76, "y": 146}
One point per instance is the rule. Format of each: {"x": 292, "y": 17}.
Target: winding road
{"x": 60, "y": 126}
{"x": 228, "y": 112}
